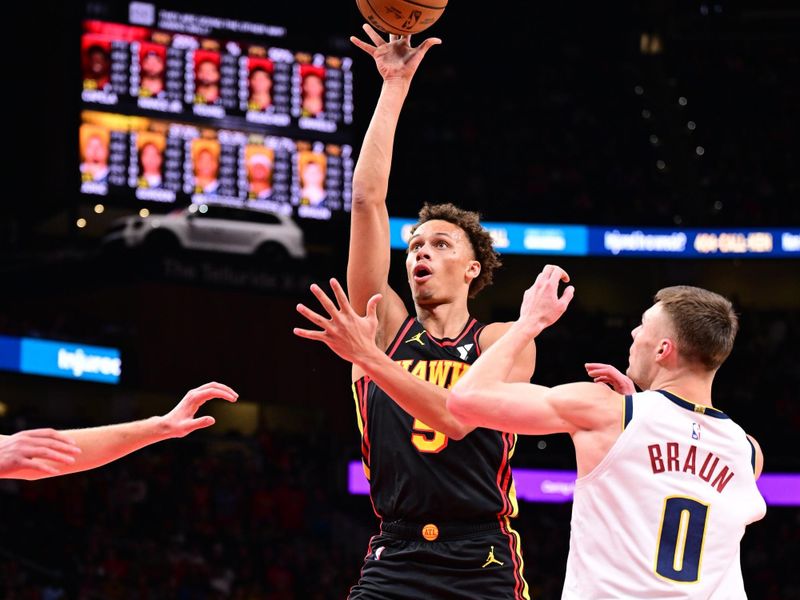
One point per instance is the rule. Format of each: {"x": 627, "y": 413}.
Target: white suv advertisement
{"x": 213, "y": 228}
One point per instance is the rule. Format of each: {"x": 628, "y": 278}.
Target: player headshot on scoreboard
{"x": 312, "y": 90}
{"x": 206, "y": 76}
{"x": 94, "y": 142}
{"x": 150, "y": 148}
{"x": 259, "y": 161}
{"x": 152, "y": 64}
{"x": 205, "y": 160}
{"x": 259, "y": 83}
{"x": 96, "y": 62}
{"x": 312, "y": 167}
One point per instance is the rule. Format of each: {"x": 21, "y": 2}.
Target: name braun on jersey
{"x": 443, "y": 373}
{"x": 675, "y": 459}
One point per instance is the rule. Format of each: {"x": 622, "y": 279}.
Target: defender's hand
{"x": 602, "y": 373}
{"x": 541, "y": 305}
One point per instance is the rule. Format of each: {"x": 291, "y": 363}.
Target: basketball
{"x": 401, "y": 17}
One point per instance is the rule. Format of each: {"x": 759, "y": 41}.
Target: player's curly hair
{"x": 479, "y": 238}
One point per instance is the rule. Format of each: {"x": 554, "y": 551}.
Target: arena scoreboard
{"x": 180, "y": 108}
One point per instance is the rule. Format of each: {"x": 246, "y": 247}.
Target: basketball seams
{"x": 428, "y": 14}
{"x": 428, "y": 6}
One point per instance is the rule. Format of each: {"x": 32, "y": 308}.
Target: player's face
{"x": 260, "y": 82}
{"x": 259, "y": 171}
{"x": 206, "y": 164}
{"x": 96, "y": 151}
{"x": 152, "y": 65}
{"x": 207, "y": 73}
{"x": 98, "y": 63}
{"x": 440, "y": 263}
{"x": 313, "y": 175}
{"x": 313, "y": 86}
{"x": 647, "y": 337}
{"x": 151, "y": 159}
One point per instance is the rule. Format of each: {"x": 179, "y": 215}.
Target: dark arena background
{"x": 635, "y": 144}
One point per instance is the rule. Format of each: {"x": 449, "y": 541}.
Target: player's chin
{"x": 631, "y": 374}
{"x": 423, "y": 296}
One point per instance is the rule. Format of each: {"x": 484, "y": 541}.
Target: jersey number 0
{"x": 680, "y": 543}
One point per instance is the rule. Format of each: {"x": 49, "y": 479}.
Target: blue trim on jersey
{"x": 628, "y": 410}
{"x": 752, "y": 454}
{"x": 698, "y": 408}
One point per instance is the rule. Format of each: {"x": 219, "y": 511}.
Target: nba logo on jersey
{"x": 695, "y": 431}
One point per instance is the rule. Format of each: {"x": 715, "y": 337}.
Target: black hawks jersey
{"x": 418, "y": 474}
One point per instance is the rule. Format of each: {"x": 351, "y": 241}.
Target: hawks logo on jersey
{"x": 443, "y": 373}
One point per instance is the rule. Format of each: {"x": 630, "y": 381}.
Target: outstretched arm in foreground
{"x": 45, "y": 453}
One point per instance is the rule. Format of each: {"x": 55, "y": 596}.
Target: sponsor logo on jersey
{"x": 463, "y": 351}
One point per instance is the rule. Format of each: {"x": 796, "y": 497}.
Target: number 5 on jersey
{"x": 427, "y": 439}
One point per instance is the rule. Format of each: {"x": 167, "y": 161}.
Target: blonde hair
{"x": 705, "y": 323}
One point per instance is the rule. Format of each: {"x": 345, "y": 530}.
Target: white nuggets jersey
{"x": 663, "y": 513}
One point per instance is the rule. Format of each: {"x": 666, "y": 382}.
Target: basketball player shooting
{"x": 443, "y": 491}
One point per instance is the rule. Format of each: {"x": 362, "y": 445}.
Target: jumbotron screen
{"x": 181, "y": 108}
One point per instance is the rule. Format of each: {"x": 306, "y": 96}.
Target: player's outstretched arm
{"x": 97, "y": 446}
{"x": 525, "y": 360}
{"x": 485, "y": 396}
{"x": 368, "y": 262}
{"x": 352, "y": 337}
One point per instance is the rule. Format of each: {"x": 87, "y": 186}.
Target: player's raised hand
{"x": 541, "y": 304}
{"x": 395, "y": 59}
{"x": 602, "y": 373}
{"x": 348, "y": 334}
{"x": 181, "y": 420}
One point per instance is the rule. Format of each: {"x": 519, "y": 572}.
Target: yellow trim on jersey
{"x": 624, "y": 403}
{"x": 512, "y": 498}
{"x": 358, "y": 409}
{"x": 702, "y": 541}
{"x": 512, "y": 490}
{"x": 366, "y": 469}
{"x": 698, "y": 408}
{"x": 518, "y": 551}
{"x": 680, "y": 543}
